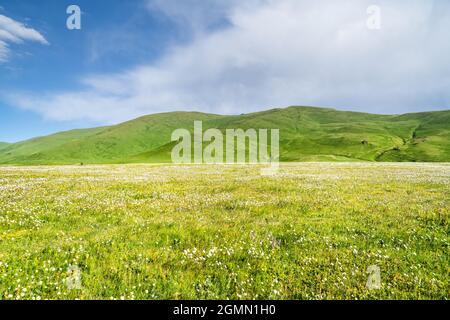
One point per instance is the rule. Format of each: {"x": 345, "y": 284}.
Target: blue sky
{"x": 34, "y": 67}
{"x": 224, "y": 56}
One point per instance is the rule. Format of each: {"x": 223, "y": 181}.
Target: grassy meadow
{"x": 225, "y": 232}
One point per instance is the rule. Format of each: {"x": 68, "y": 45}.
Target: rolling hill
{"x": 3, "y": 145}
{"x": 306, "y": 134}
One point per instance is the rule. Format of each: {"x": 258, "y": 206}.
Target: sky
{"x": 138, "y": 57}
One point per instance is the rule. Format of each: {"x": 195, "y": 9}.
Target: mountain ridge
{"x": 306, "y": 134}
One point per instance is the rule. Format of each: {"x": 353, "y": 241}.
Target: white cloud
{"x": 197, "y": 15}
{"x": 15, "y": 32}
{"x": 3, "y": 51}
{"x": 279, "y": 53}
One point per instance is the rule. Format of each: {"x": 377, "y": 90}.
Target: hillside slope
{"x": 306, "y": 134}
{"x": 3, "y": 145}
{"x": 429, "y": 141}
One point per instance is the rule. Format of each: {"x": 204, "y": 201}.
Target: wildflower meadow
{"x": 312, "y": 231}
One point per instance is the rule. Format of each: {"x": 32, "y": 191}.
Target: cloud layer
{"x": 12, "y": 31}
{"x": 277, "y": 53}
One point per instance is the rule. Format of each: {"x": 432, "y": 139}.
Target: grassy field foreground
{"x": 172, "y": 232}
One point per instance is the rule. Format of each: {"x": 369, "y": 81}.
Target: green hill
{"x": 306, "y": 134}
{"x": 3, "y": 145}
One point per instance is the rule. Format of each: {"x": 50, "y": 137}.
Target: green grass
{"x": 217, "y": 232}
{"x": 306, "y": 133}
{"x": 3, "y": 145}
